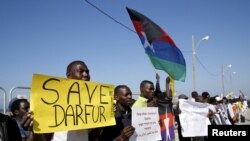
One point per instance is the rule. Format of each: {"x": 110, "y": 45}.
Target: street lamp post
{"x": 231, "y": 80}
{"x": 222, "y": 76}
{"x": 194, "y": 48}
{"x": 230, "y": 76}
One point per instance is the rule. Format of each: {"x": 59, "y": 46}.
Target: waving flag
{"x": 159, "y": 47}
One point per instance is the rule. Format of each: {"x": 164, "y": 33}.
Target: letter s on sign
{"x": 50, "y": 89}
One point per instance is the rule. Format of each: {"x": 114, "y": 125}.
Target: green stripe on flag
{"x": 174, "y": 70}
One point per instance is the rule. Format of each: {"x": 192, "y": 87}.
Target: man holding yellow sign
{"x": 61, "y": 104}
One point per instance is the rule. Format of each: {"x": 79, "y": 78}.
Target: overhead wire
{"x": 128, "y": 28}
{"x": 203, "y": 66}
{"x": 106, "y": 14}
{"x": 118, "y": 22}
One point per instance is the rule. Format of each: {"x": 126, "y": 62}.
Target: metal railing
{"x": 4, "y": 99}
{"x": 15, "y": 88}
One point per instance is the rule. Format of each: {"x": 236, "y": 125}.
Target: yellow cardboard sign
{"x": 60, "y": 104}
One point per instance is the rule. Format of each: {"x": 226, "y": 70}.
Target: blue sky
{"x": 43, "y": 36}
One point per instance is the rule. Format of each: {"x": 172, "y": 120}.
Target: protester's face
{"x": 200, "y": 99}
{"x": 24, "y": 108}
{"x": 79, "y": 71}
{"x": 124, "y": 97}
{"x": 148, "y": 91}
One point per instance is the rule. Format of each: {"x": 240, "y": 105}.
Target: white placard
{"x": 146, "y": 123}
{"x": 193, "y": 118}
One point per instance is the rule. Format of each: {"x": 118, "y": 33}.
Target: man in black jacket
{"x": 123, "y": 130}
{"x": 9, "y": 130}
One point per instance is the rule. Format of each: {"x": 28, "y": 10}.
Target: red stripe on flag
{"x": 166, "y": 38}
{"x": 138, "y": 27}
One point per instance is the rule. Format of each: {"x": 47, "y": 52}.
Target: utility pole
{"x": 193, "y": 62}
{"x": 222, "y": 81}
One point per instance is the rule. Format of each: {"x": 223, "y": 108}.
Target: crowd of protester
{"x": 16, "y": 124}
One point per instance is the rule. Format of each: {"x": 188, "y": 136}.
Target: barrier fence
{"x": 8, "y": 96}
